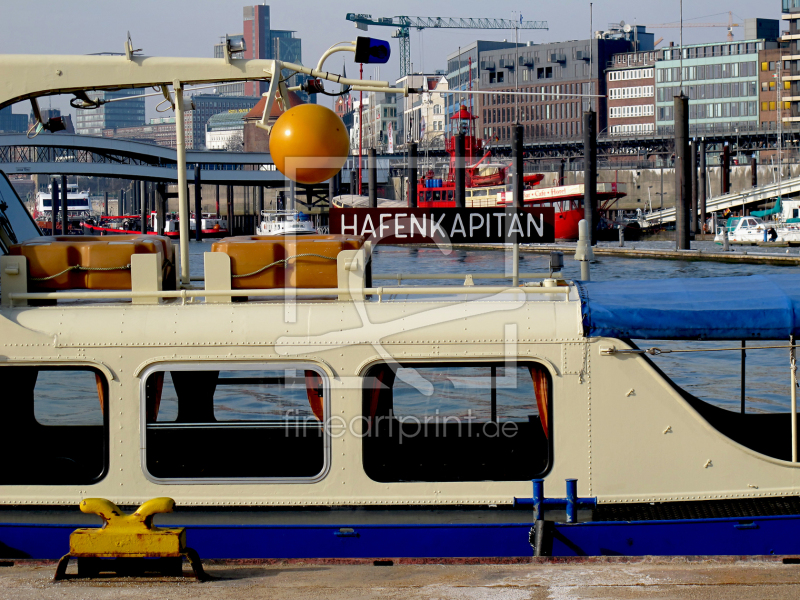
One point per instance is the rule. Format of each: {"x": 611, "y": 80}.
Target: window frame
{"x": 520, "y": 361}
{"x": 265, "y": 365}
{"x": 106, "y": 376}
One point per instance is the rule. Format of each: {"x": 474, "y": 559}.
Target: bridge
{"x": 69, "y": 154}
{"x": 756, "y": 195}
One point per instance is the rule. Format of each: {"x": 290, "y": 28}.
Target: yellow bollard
{"x": 126, "y": 537}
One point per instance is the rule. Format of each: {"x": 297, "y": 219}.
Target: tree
{"x": 235, "y": 143}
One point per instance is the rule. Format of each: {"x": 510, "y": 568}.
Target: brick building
{"x": 769, "y": 83}
{"x": 630, "y": 81}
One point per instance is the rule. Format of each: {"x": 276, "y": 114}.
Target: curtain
{"x": 154, "y": 388}
{"x": 380, "y": 400}
{"x": 541, "y": 386}
{"x": 314, "y": 392}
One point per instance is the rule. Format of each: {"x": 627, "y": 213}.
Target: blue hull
{"x": 756, "y": 536}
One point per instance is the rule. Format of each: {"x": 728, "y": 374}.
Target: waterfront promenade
{"x": 679, "y": 578}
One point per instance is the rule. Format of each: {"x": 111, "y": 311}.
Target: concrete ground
{"x": 696, "y": 579}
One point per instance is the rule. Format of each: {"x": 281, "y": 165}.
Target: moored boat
{"x": 285, "y": 222}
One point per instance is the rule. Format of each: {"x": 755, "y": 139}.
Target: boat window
{"x": 457, "y": 422}
{"x": 264, "y": 423}
{"x": 54, "y": 430}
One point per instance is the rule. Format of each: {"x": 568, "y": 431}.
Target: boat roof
{"x": 716, "y": 308}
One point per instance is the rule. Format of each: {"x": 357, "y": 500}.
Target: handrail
{"x": 280, "y": 292}
{"x": 423, "y": 276}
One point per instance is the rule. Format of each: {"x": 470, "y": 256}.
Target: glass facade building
{"x": 113, "y": 115}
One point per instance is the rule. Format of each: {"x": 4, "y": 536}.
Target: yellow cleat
{"x": 128, "y": 536}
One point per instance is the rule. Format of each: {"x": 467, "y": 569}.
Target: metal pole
{"x": 461, "y": 175}
{"x": 293, "y": 192}
{"x": 183, "y": 200}
{"x": 105, "y": 204}
{"x": 701, "y": 184}
{"x": 260, "y": 200}
{"x": 54, "y": 207}
{"x": 693, "y": 221}
{"x": 198, "y": 205}
{"x": 793, "y": 369}
{"x": 725, "y": 174}
{"x": 753, "y": 171}
{"x": 372, "y": 177}
{"x": 682, "y": 173}
{"x": 161, "y": 207}
{"x": 216, "y": 198}
{"x": 744, "y": 356}
{"x": 64, "y": 213}
{"x": 143, "y": 205}
{"x": 412, "y": 175}
{"x": 590, "y": 173}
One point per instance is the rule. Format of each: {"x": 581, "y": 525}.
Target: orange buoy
{"x": 309, "y": 143}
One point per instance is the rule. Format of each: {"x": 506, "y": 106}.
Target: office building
{"x": 774, "y": 80}
{"x": 206, "y": 106}
{"x": 561, "y": 81}
{"x": 11, "y": 122}
{"x": 380, "y": 124}
{"x": 159, "y": 131}
{"x": 113, "y": 114}
{"x": 721, "y": 81}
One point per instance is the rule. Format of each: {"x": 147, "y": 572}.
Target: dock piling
{"x": 54, "y": 207}
{"x": 412, "y": 175}
{"x": 372, "y": 177}
{"x": 461, "y": 175}
{"x": 683, "y": 174}
{"x": 590, "y": 175}
{"x": 64, "y": 211}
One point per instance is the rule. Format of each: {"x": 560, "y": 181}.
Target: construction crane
{"x": 730, "y": 25}
{"x": 404, "y": 24}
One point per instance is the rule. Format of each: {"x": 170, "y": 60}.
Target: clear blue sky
{"x": 192, "y": 27}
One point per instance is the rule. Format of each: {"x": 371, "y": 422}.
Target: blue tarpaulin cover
{"x": 715, "y": 308}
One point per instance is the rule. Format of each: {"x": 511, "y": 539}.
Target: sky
{"x": 192, "y": 27}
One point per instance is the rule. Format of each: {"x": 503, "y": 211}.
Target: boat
{"x": 486, "y": 185}
{"x": 78, "y": 208}
{"x": 285, "y": 222}
{"x": 295, "y": 410}
{"x": 212, "y": 225}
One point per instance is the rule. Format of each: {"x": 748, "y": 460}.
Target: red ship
{"x": 212, "y": 226}
{"x": 486, "y": 185}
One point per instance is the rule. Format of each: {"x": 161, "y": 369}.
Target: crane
{"x": 404, "y": 24}
{"x": 730, "y": 25}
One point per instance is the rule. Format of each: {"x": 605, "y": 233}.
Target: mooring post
{"x": 753, "y": 171}
{"x": 621, "y": 236}
{"x": 105, "y": 204}
{"x": 412, "y": 175}
{"x": 682, "y": 173}
{"x": 590, "y": 174}
{"x": 161, "y": 207}
{"x": 64, "y": 207}
{"x": 572, "y": 498}
{"x": 461, "y": 174}
{"x": 726, "y": 166}
{"x": 216, "y": 199}
{"x": 701, "y": 184}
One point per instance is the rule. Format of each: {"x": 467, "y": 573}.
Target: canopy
{"x": 770, "y": 211}
{"x": 715, "y": 308}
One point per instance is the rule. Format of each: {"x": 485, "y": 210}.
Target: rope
{"x": 80, "y": 268}
{"x": 284, "y": 261}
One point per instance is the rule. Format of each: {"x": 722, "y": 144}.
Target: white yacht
{"x": 285, "y": 222}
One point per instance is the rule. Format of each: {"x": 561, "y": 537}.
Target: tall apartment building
{"x": 630, "y": 82}
{"x": 791, "y": 55}
{"x": 113, "y": 115}
{"x": 721, "y": 81}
